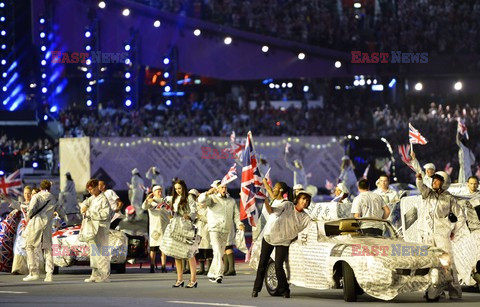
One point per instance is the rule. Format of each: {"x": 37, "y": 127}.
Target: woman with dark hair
{"x": 286, "y": 220}
{"x": 186, "y": 209}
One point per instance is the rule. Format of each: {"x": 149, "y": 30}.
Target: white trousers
{"x": 32, "y": 260}
{"x": 100, "y": 254}
{"x": 219, "y": 242}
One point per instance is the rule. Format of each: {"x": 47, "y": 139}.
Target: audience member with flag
{"x": 416, "y": 137}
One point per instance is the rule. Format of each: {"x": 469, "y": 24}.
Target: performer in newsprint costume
{"x": 19, "y": 265}
{"x": 205, "y": 252}
{"x": 115, "y": 202}
{"x": 154, "y": 175}
{"x": 135, "y": 192}
{"x": 429, "y": 170}
{"x": 68, "y": 201}
{"x": 222, "y": 212}
{"x": 38, "y": 232}
{"x": 286, "y": 220}
{"x": 466, "y": 159}
{"x": 347, "y": 176}
{"x": 440, "y": 218}
{"x": 97, "y": 209}
{"x": 183, "y": 208}
{"x": 158, "y": 220}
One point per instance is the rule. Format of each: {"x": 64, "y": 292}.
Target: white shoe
{"x": 48, "y": 278}
{"x": 103, "y": 280}
{"x": 90, "y": 279}
{"x": 31, "y": 278}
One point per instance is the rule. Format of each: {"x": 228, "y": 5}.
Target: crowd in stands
{"x": 443, "y": 27}
{"x": 24, "y": 153}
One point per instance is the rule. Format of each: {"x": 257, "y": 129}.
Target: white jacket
{"x": 222, "y": 212}
{"x": 159, "y": 219}
{"x": 39, "y": 228}
{"x": 284, "y": 224}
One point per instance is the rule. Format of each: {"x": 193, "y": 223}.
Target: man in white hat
{"x": 158, "y": 221}
{"x": 429, "y": 170}
{"x": 136, "y": 190}
{"x": 439, "y": 219}
{"x": 222, "y": 213}
{"x": 154, "y": 175}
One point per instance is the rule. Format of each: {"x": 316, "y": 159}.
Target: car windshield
{"x": 360, "y": 227}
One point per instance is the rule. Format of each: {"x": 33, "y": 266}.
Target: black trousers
{"x": 281, "y": 254}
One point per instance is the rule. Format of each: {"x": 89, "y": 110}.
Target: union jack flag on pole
{"x": 462, "y": 128}
{"x": 230, "y": 176}
{"x": 415, "y": 136}
{"x": 403, "y": 151}
{"x": 11, "y": 184}
{"x": 251, "y": 183}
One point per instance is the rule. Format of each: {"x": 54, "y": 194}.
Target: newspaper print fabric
{"x": 313, "y": 255}
{"x": 466, "y": 242}
{"x": 68, "y": 250}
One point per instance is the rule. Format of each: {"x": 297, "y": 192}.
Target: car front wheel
{"x": 271, "y": 282}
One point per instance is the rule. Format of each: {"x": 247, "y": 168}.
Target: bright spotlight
{"x": 44, "y": 76}
{"x": 127, "y": 61}
{"x": 127, "y": 47}
{"x": 102, "y": 4}
{"x": 43, "y": 62}
{"x": 89, "y": 103}
{"x": 166, "y": 61}
{"x": 227, "y": 40}
{"x": 157, "y": 23}
{"x": 88, "y": 47}
{"x": 88, "y": 75}
{"x": 42, "y": 34}
{"x": 88, "y": 61}
{"x": 265, "y": 48}
{"x": 4, "y": 46}
{"x": 458, "y": 86}
{"x": 5, "y": 62}
{"x": 271, "y": 85}
{"x": 88, "y": 34}
{"x": 88, "y": 89}
{"x": 45, "y": 117}
{"x": 5, "y": 88}
{"x": 127, "y": 75}
{"x": 128, "y": 102}
{"x": 3, "y": 33}
{"x": 362, "y": 82}
{"x": 53, "y": 109}
{"x": 356, "y": 83}
{"x": 128, "y": 88}
{"x": 357, "y": 5}
{"x": 125, "y": 13}
{"x": 44, "y": 90}
{"x": 168, "y": 102}
{"x": 42, "y": 20}
{"x": 418, "y": 86}
{"x": 289, "y": 84}
{"x": 306, "y": 88}
{"x": 166, "y": 74}
{"x": 301, "y": 56}
{"x": 167, "y": 88}
{"x": 197, "y": 32}
{"x": 43, "y": 48}
{"x": 338, "y": 64}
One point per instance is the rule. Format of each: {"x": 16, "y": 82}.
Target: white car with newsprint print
{"x": 360, "y": 256}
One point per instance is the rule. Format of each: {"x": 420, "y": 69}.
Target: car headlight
{"x": 445, "y": 260}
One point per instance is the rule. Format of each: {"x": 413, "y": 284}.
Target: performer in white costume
{"x": 136, "y": 191}
{"x": 97, "y": 208}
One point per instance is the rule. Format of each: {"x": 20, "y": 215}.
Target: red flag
{"x": 415, "y": 136}
{"x": 251, "y": 183}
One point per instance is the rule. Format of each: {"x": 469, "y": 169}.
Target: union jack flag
{"x": 462, "y": 128}
{"x": 236, "y": 148}
{"x": 415, "y": 136}
{"x": 230, "y": 176}
{"x": 8, "y": 229}
{"x": 251, "y": 183}
{"x": 11, "y": 184}
{"x": 403, "y": 150}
